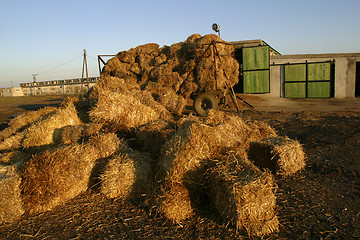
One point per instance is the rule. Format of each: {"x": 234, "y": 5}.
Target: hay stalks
{"x": 17, "y": 158}
{"x": 280, "y": 155}
{"x": 106, "y": 144}
{"x": 45, "y": 132}
{"x": 24, "y": 120}
{"x": 126, "y": 110}
{"x": 12, "y": 142}
{"x": 54, "y": 177}
{"x": 194, "y": 143}
{"x": 127, "y": 175}
{"x": 152, "y": 136}
{"x": 10, "y": 202}
{"x": 244, "y": 195}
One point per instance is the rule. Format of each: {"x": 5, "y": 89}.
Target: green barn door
{"x": 256, "y": 69}
{"x": 295, "y": 81}
{"x": 308, "y": 80}
{"x": 319, "y": 80}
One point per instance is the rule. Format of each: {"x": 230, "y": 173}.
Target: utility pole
{"x": 87, "y": 74}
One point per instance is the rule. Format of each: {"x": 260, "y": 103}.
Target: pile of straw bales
{"x": 170, "y": 73}
{"x": 130, "y": 136}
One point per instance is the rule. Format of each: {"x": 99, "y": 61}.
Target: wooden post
{"x": 87, "y": 74}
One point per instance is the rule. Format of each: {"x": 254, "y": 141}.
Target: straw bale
{"x": 108, "y": 84}
{"x": 196, "y": 140}
{"x": 176, "y": 203}
{"x": 12, "y": 142}
{"x": 152, "y": 136}
{"x": 47, "y": 131}
{"x": 243, "y": 195}
{"x": 91, "y": 128}
{"x": 280, "y": 155}
{"x": 127, "y": 175}
{"x": 56, "y": 176}
{"x": 168, "y": 98}
{"x": 173, "y": 102}
{"x": 10, "y": 201}
{"x": 106, "y": 144}
{"x": 127, "y": 110}
{"x": 147, "y": 99}
{"x": 22, "y": 121}
{"x": 71, "y": 134}
{"x": 17, "y": 158}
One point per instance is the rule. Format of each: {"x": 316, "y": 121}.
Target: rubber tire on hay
{"x": 204, "y": 102}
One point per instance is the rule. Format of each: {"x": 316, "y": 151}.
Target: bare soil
{"x": 322, "y": 202}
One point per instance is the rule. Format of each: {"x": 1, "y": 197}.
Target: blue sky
{"x": 47, "y": 37}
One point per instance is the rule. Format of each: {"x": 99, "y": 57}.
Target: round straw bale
{"x": 148, "y": 49}
{"x": 54, "y": 177}
{"x": 280, "y": 155}
{"x": 10, "y": 201}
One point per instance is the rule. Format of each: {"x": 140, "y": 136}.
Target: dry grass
{"x": 244, "y": 195}
{"x": 282, "y": 156}
{"x": 152, "y": 136}
{"x": 24, "y": 120}
{"x": 10, "y": 201}
{"x": 47, "y": 131}
{"x": 127, "y": 175}
{"x": 195, "y": 142}
{"x": 54, "y": 177}
{"x": 106, "y": 144}
{"x": 71, "y": 134}
{"x": 123, "y": 109}
{"x": 14, "y": 157}
{"x": 12, "y": 142}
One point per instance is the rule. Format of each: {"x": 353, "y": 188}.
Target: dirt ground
{"x": 322, "y": 202}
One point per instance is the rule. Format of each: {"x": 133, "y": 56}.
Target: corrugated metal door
{"x": 308, "y": 80}
{"x": 256, "y": 69}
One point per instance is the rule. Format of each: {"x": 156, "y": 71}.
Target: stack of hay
{"x": 140, "y": 94}
{"x": 194, "y": 143}
{"x": 170, "y": 74}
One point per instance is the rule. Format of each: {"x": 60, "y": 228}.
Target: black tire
{"x": 204, "y": 102}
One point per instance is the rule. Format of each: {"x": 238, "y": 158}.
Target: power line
{"x": 45, "y": 66}
{"x": 61, "y": 65}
